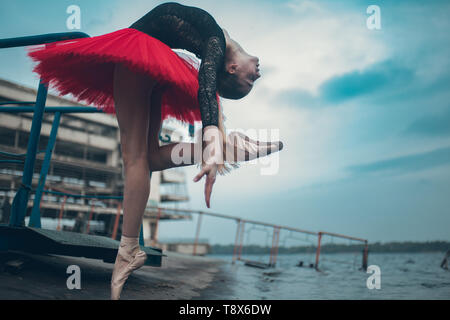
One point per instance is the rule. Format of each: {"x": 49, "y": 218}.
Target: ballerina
{"x": 134, "y": 74}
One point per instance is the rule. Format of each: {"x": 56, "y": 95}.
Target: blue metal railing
{"x": 20, "y": 202}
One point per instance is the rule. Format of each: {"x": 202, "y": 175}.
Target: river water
{"x": 402, "y": 276}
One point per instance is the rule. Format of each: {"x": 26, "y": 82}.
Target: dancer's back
{"x": 181, "y": 27}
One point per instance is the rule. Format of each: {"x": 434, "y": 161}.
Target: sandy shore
{"x": 179, "y": 277}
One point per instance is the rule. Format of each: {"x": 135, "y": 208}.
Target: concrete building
{"x": 86, "y": 160}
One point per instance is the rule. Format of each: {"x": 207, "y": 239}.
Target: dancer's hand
{"x": 210, "y": 171}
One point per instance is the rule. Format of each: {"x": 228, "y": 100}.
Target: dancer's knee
{"x": 135, "y": 163}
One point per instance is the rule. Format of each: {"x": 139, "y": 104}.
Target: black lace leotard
{"x": 195, "y": 30}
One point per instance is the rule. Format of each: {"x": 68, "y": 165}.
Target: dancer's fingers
{"x": 210, "y": 179}
{"x": 200, "y": 175}
{"x": 210, "y": 171}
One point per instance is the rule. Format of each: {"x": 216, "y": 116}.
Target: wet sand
{"x": 180, "y": 277}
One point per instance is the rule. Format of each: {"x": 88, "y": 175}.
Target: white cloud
{"x": 304, "y": 6}
{"x": 306, "y": 53}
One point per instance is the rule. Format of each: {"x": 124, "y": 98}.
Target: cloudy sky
{"x": 364, "y": 115}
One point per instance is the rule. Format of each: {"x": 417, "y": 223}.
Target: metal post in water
{"x": 197, "y": 233}
{"x": 272, "y": 248}
{"x": 365, "y": 261}
{"x": 275, "y": 254}
{"x": 241, "y": 239}
{"x": 318, "y": 250}
{"x": 236, "y": 240}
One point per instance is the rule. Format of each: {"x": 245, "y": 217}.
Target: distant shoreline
{"x": 376, "y": 247}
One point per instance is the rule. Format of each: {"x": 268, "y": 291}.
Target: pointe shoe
{"x": 240, "y": 147}
{"x": 129, "y": 258}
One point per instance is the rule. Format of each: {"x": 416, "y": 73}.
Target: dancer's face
{"x": 245, "y": 66}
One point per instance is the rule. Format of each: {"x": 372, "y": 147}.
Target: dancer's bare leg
{"x": 132, "y": 94}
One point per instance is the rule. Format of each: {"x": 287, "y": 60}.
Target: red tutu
{"x": 85, "y": 67}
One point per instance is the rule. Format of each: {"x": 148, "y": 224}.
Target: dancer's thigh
{"x": 154, "y": 121}
{"x": 132, "y": 92}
